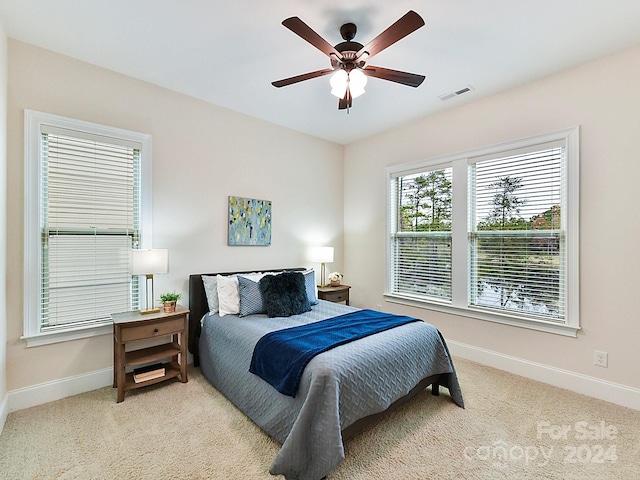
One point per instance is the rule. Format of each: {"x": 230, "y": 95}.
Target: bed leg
{"x": 435, "y": 389}
{"x": 196, "y": 360}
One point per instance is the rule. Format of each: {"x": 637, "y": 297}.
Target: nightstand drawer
{"x": 336, "y": 297}
{"x": 157, "y": 329}
{"x": 334, "y": 294}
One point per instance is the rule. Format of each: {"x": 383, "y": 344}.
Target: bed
{"x": 341, "y": 391}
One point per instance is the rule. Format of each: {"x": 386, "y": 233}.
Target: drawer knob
{"x": 155, "y": 330}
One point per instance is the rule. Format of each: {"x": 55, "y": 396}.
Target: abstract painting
{"x": 249, "y": 221}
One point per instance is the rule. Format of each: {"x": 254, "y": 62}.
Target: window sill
{"x": 478, "y": 314}
{"x": 49, "y": 338}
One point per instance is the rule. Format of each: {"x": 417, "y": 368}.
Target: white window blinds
{"x": 421, "y": 234}
{"x": 517, "y": 233}
{"x": 90, "y": 191}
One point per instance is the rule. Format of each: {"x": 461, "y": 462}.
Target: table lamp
{"x": 321, "y": 255}
{"x": 149, "y": 262}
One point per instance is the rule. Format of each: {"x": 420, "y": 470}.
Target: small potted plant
{"x": 334, "y": 279}
{"x": 169, "y": 301}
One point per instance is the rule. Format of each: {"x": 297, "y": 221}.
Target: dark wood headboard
{"x": 198, "y": 305}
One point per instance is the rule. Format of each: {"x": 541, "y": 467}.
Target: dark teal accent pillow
{"x": 284, "y": 295}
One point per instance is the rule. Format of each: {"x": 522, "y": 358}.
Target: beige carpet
{"x": 512, "y": 428}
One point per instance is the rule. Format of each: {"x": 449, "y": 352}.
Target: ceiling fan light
{"x": 339, "y": 82}
{"x": 357, "y": 82}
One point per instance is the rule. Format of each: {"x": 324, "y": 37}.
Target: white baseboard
{"x": 576, "y": 382}
{"x": 611, "y": 392}
{"x": 4, "y": 411}
{"x": 55, "y": 390}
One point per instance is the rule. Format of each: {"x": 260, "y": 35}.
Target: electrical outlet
{"x": 600, "y": 358}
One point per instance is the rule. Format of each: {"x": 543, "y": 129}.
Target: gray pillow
{"x": 310, "y": 284}
{"x": 250, "y": 297}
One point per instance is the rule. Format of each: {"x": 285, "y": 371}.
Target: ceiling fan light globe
{"x": 339, "y": 91}
{"x": 357, "y": 82}
{"x": 356, "y": 92}
{"x": 339, "y": 82}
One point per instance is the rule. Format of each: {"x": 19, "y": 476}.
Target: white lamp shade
{"x": 321, "y": 254}
{"x": 339, "y": 82}
{"x": 357, "y": 82}
{"x": 149, "y": 261}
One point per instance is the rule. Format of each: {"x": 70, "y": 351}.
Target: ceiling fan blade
{"x": 407, "y": 24}
{"x": 405, "y": 78}
{"x": 299, "y": 78}
{"x": 303, "y": 30}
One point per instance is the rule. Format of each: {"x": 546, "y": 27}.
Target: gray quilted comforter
{"x": 337, "y": 388}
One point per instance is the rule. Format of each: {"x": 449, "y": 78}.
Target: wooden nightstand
{"x": 130, "y": 327}
{"x": 334, "y": 294}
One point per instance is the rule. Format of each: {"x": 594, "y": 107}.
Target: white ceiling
{"x": 229, "y": 52}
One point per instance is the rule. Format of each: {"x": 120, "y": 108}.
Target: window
{"x": 491, "y": 234}
{"x": 421, "y": 239}
{"x": 83, "y": 215}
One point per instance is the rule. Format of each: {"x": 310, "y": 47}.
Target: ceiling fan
{"x": 348, "y": 58}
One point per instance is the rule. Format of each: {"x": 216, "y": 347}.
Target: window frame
{"x": 459, "y": 304}
{"x": 34, "y": 121}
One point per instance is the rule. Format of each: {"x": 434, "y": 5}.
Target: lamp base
{"x": 150, "y": 310}
{"x": 149, "y": 300}
{"x": 322, "y": 270}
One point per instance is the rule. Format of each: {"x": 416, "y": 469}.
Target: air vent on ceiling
{"x": 457, "y": 93}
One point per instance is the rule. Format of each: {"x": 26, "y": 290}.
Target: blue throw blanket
{"x": 280, "y": 357}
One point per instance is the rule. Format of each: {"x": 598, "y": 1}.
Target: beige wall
{"x": 603, "y": 98}
{"x": 201, "y": 154}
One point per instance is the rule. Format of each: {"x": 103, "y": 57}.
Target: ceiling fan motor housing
{"x": 347, "y": 49}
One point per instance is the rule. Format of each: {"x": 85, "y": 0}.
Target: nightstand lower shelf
{"x": 171, "y": 370}
{"x": 151, "y": 354}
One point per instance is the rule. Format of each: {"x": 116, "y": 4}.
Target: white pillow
{"x": 228, "y": 295}
{"x": 211, "y": 290}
